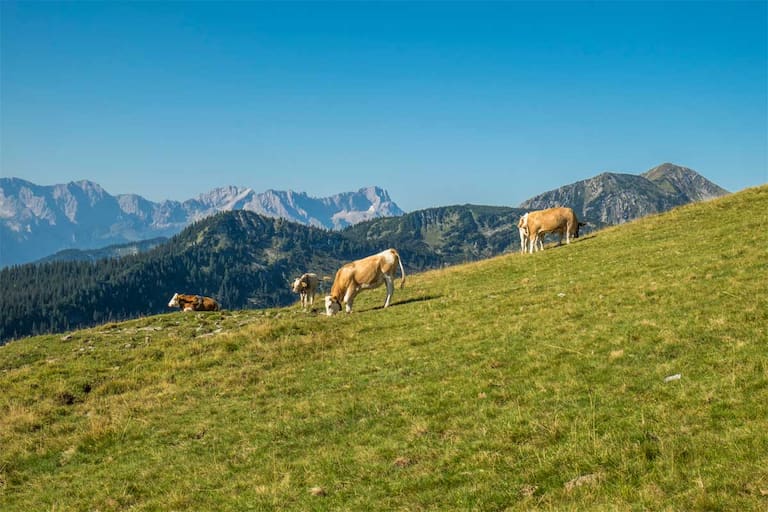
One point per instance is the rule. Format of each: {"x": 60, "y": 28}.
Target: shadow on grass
{"x": 408, "y": 301}
{"x": 554, "y": 244}
{"x": 321, "y": 311}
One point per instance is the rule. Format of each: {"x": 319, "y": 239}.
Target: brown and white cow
{"x": 560, "y": 220}
{"x": 362, "y": 274}
{"x": 306, "y": 286}
{"x": 522, "y": 227}
{"x": 193, "y": 302}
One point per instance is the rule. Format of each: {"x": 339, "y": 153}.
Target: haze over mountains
{"x": 38, "y": 221}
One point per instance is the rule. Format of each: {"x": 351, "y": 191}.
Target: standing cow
{"x": 306, "y": 286}
{"x": 362, "y": 274}
{"x": 560, "y": 220}
{"x": 522, "y": 227}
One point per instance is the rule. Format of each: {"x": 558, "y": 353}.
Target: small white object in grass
{"x": 670, "y": 378}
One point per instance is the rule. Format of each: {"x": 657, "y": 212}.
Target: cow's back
{"x": 375, "y": 266}
{"x": 550, "y": 219}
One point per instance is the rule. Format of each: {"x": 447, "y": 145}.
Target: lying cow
{"x": 560, "y": 220}
{"x": 306, "y": 286}
{"x": 368, "y": 272}
{"x": 193, "y": 303}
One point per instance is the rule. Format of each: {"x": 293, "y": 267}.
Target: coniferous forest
{"x": 241, "y": 259}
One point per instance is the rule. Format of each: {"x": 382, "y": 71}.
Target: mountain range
{"x": 79, "y": 220}
{"x": 37, "y": 221}
{"x": 245, "y": 259}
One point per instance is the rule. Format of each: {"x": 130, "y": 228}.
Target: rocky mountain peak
{"x": 36, "y": 221}
{"x": 614, "y": 198}
{"x": 682, "y": 181}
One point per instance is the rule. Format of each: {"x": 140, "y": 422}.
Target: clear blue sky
{"x": 439, "y": 103}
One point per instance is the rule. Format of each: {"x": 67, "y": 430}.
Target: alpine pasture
{"x": 625, "y": 371}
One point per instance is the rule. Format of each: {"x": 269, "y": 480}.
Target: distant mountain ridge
{"x": 613, "y": 198}
{"x": 37, "y": 221}
{"x": 110, "y": 251}
{"x": 82, "y": 221}
{"x": 244, "y": 259}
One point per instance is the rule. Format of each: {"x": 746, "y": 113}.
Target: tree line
{"x": 242, "y": 259}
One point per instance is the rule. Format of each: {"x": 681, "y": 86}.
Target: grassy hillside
{"x": 241, "y": 259}
{"x": 517, "y": 383}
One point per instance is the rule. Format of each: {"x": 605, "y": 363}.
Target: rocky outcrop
{"x": 613, "y": 198}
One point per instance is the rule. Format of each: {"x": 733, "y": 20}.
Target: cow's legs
{"x": 522, "y": 240}
{"x": 390, "y": 289}
{"x": 533, "y": 239}
{"x": 349, "y": 298}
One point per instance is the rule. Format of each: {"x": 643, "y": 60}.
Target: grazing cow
{"x": 522, "y": 227}
{"x": 306, "y": 287}
{"x": 368, "y": 272}
{"x": 560, "y": 220}
{"x": 193, "y": 303}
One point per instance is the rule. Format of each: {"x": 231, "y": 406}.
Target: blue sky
{"x": 439, "y": 103}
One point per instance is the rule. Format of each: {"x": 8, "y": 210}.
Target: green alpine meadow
{"x": 625, "y": 371}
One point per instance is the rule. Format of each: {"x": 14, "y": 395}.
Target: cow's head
{"x": 332, "y": 305}
{"x": 298, "y": 285}
{"x": 174, "y": 303}
{"x": 578, "y": 225}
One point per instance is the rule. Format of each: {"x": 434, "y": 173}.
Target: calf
{"x": 559, "y": 220}
{"x": 306, "y": 286}
{"x": 362, "y": 274}
{"x": 193, "y": 302}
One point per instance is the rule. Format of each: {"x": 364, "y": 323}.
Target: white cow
{"x": 362, "y": 274}
{"x": 306, "y": 286}
{"x": 522, "y": 227}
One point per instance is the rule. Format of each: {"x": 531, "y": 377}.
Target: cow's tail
{"x": 402, "y": 271}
